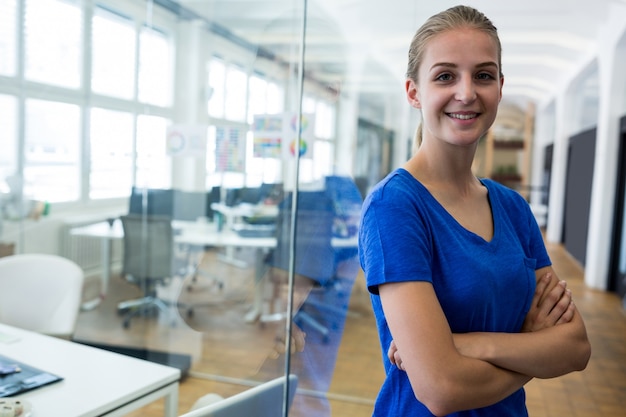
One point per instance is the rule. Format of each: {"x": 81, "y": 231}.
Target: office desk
{"x": 96, "y": 382}
{"x": 192, "y": 233}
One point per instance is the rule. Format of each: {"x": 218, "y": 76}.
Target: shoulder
{"x": 398, "y": 187}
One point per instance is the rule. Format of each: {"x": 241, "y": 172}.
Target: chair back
{"x": 40, "y": 292}
{"x": 314, "y": 254}
{"x": 148, "y": 247}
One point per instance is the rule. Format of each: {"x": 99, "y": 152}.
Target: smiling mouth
{"x": 463, "y": 116}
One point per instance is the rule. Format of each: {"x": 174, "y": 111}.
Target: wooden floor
{"x": 227, "y": 360}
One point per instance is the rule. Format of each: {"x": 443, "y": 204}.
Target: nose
{"x": 466, "y": 91}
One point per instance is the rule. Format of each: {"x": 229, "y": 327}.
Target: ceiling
{"x": 361, "y": 45}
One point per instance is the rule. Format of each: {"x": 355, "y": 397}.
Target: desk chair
{"x": 264, "y": 400}
{"x": 191, "y": 206}
{"x": 40, "y": 292}
{"x": 314, "y": 254}
{"x": 148, "y": 263}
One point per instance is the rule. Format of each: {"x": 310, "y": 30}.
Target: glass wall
{"x": 203, "y": 164}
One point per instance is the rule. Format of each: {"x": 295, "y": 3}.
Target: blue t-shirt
{"x": 406, "y": 235}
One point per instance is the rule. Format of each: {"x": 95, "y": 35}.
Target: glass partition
{"x": 204, "y": 164}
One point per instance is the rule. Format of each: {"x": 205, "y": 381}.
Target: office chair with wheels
{"x": 322, "y": 215}
{"x": 40, "y": 292}
{"x": 314, "y": 261}
{"x": 148, "y": 263}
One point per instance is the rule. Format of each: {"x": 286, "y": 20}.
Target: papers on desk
{"x": 26, "y": 379}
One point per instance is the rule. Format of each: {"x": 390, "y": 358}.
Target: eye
{"x": 444, "y": 77}
{"x": 485, "y": 76}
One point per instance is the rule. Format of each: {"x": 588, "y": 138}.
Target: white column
{"x": 611, "y": 68}
{"x": 554, "y": 229}
{"x": 188, "y": 173}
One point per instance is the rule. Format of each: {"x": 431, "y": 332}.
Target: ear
{"x": 412, "y": 95}
{"x": 501, "y": 85}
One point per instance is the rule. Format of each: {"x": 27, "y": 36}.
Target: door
{"x": 617, "y": 280}
{"x": 580, "y": 162}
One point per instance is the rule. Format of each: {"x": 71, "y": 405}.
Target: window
{"x": 111, "y": 144}
{"x": 53, "y": 38}
{"x": 154, "y": 167}
{"x": 257, "y": 97}
{"x": 324, "y": 120}
{"x": 8, "y": 37}
{"x": 275, "y": 98}
{"x": 236, "y": 94}
{"x": 51, "y": 166}
{"x": 217, "y": 76}
{"x": 155, "y": 68}
{"x": 113, "y": 55}
{"x": 8, "y": 136}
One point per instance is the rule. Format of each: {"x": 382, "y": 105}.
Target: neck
{"x": 436, "y": 167}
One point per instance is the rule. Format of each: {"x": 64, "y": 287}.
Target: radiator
{"x": 86, "y": 251}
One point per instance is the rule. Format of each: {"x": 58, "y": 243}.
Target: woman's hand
{"x": 394, "y": 355}
{"x": 552, "y": 304}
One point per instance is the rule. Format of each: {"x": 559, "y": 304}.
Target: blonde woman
{"x": 461, "y": 284}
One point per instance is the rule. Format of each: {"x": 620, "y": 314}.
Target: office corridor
{"x": 599, "y": 391}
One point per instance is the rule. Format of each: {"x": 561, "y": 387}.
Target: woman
{"x": 460, "y": 280}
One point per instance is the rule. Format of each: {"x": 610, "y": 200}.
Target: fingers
{"x": 398, "y": 361}
{"x": 540, "y": 289}
{"x": 391, "y": 352}
{"x": 394, "y": 356}
{"x": 551, "y": 304}
{"x": 568, "y": 315}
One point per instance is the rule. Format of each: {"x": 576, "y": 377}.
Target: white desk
{"x": 187, "y": 232}
{"x": 193, "y": 234}
{"x": 96, "y": 382}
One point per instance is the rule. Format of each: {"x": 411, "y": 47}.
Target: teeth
{"x": 462, "y": 116}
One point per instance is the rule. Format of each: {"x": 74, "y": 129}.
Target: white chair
{"x": 264, "y": 400}
{"x": 40, "y": 292}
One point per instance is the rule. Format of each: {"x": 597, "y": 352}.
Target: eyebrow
{"x": 452, "y": 65}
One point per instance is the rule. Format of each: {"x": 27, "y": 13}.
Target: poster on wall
{"x": 302, "y": 143}
{"x": 186, "y": 140}
{"x": 267, "y": 135}
{"x": 275, "y": 135}
{"x": 230, "y": 146}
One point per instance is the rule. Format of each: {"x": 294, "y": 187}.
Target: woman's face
{"x": 459, "y": 86}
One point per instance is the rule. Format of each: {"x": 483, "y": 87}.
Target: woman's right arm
{"x": 442, "y": 378}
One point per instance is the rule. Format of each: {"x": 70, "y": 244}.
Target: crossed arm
{"x": 451, "y": 372}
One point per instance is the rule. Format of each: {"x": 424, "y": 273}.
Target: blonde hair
{"x": 452, "y": 18}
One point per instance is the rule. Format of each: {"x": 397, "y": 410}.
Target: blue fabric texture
{"x": 481, "y": 285}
